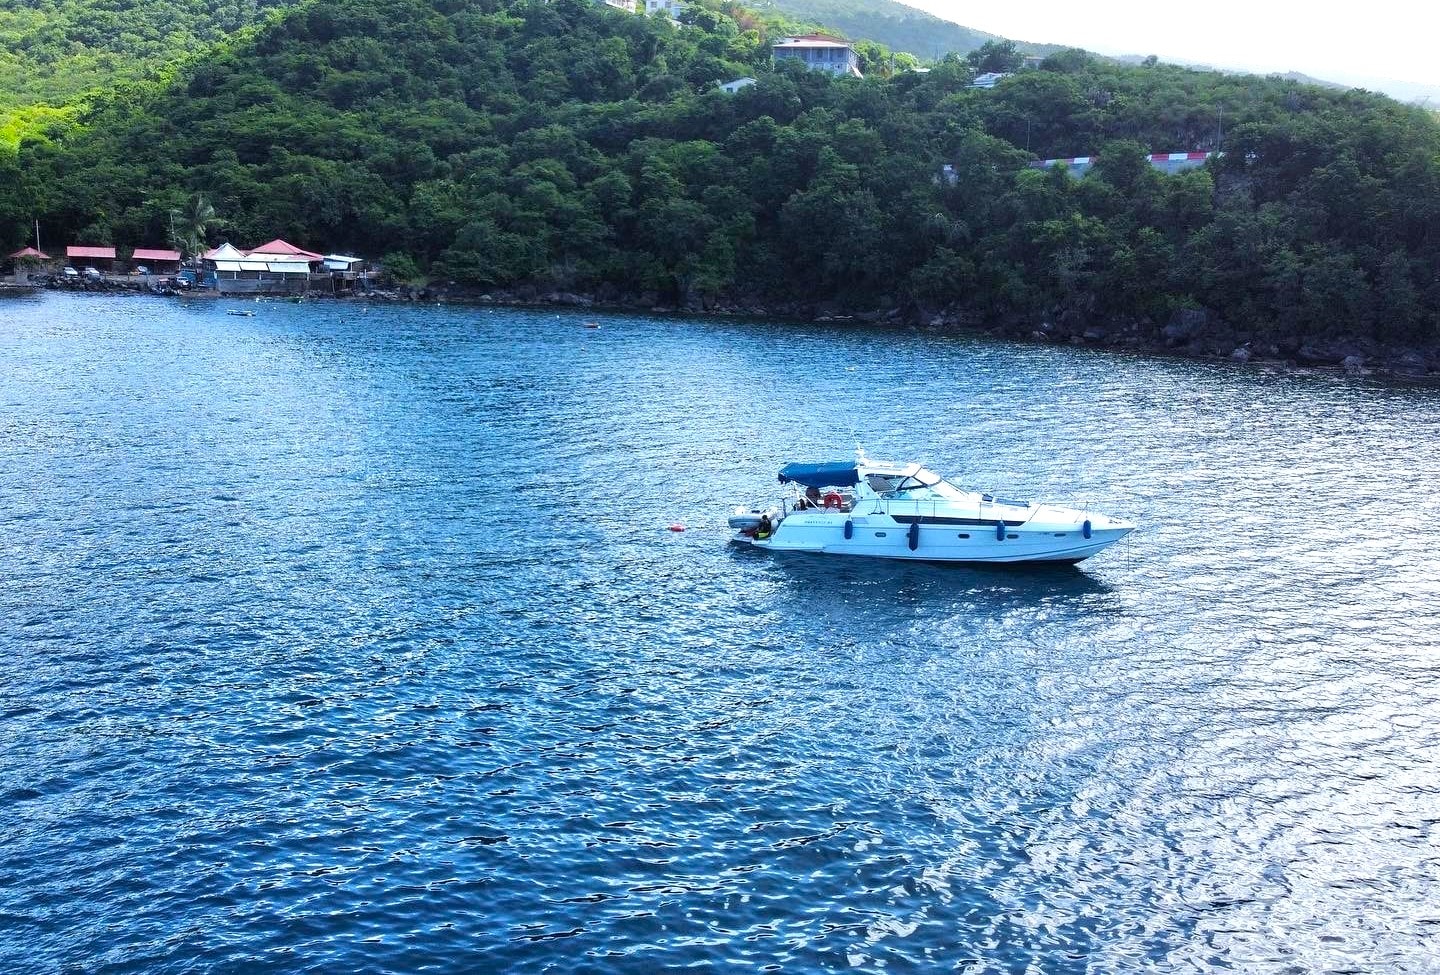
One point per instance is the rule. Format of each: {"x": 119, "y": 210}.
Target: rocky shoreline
{"x": 1190, "y": 334}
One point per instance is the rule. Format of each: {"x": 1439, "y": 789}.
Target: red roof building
{"x": 91, "y": 253}
{"x": 29, "y": 252}
{"x": 100, "y": 258}
{"x": 150, "y": 254}
{"x": 278, "y": 246}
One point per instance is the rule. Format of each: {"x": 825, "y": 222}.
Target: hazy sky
{"x": 1357, "y": 43}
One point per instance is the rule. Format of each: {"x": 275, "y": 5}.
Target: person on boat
{"x": 811, "y": 499}
{"x": 765, "y": 529}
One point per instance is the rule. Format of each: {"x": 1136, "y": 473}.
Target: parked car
{"x": 70, "y": 273}
{"x": 92, "y": 274}
{"x": 141, "y": 269}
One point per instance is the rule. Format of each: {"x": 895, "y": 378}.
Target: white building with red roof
{"x": 276, "y": 267}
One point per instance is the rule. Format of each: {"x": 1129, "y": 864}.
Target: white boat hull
{"x": 884, "y": 538}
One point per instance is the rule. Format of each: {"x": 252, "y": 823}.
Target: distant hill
{"x": 1296, "y": 76}
{"x": 1306, "y": 79}
{"x": 895, "y": 25}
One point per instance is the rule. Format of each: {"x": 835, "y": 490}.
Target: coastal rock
{"x": 1185, "y": 326}
{"x": 1315, "y": 355}
{"x": 1409, "y": 364}
{"x": 1353, "y": 364}
{"x": 1241, "y": 354}
{"x": 567, "y": 298}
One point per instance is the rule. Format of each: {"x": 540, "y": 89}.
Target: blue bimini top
{"x": 836, "y": 474}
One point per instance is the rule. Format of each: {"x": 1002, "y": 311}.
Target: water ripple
{"x": 353, "y": 639}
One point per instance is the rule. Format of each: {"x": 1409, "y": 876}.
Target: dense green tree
{"x": 995, "y": 55}
{"x": 190, "y": 225}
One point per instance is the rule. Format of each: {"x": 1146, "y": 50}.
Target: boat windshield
{"x": 916, "y": 485}
{"x": 926, "y": 485}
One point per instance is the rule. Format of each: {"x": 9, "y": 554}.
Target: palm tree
{"x": 189, "y": 224}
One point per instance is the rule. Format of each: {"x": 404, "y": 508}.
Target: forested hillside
{"x": 522, "y": 144}
{"x": 53, "y": 49}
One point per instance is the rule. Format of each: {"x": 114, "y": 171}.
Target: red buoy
{"x": 677, "y": 527}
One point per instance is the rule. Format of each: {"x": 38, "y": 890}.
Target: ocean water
{"x": 353, "y": 639}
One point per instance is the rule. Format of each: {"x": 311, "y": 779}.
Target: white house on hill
{"x": 820, "y": 52}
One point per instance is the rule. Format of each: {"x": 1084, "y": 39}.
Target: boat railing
{"x": 882, "y": 506}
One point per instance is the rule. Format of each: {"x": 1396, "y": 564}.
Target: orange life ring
{"x": 833, "y": 500}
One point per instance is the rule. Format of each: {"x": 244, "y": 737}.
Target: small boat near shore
{"x": 880, "y": 509}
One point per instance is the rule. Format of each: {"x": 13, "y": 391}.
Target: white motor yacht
{"x": 904, "y": 511}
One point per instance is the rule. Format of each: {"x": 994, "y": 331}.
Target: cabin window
{"x": 1012, "y": 536}
{"x": 963, "y": 535}
{"x": 879, "y": 534}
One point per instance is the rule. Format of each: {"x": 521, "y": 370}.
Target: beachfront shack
{"x": 155, "y": 260}
{"x": 101, "y": 259}
{"x": 274, "y": 268}
{"x": 345, "y": 275}
{"x": 21, "y": 263}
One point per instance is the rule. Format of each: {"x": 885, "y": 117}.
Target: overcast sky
{"x": 1361, "y": 44}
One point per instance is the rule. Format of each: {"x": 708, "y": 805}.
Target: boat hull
{"x": 825, "y": 535}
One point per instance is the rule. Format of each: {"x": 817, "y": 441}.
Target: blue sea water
{"x": 348, "y": 639}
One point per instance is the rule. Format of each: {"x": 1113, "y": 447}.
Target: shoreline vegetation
{"x": 564, "y": 152}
